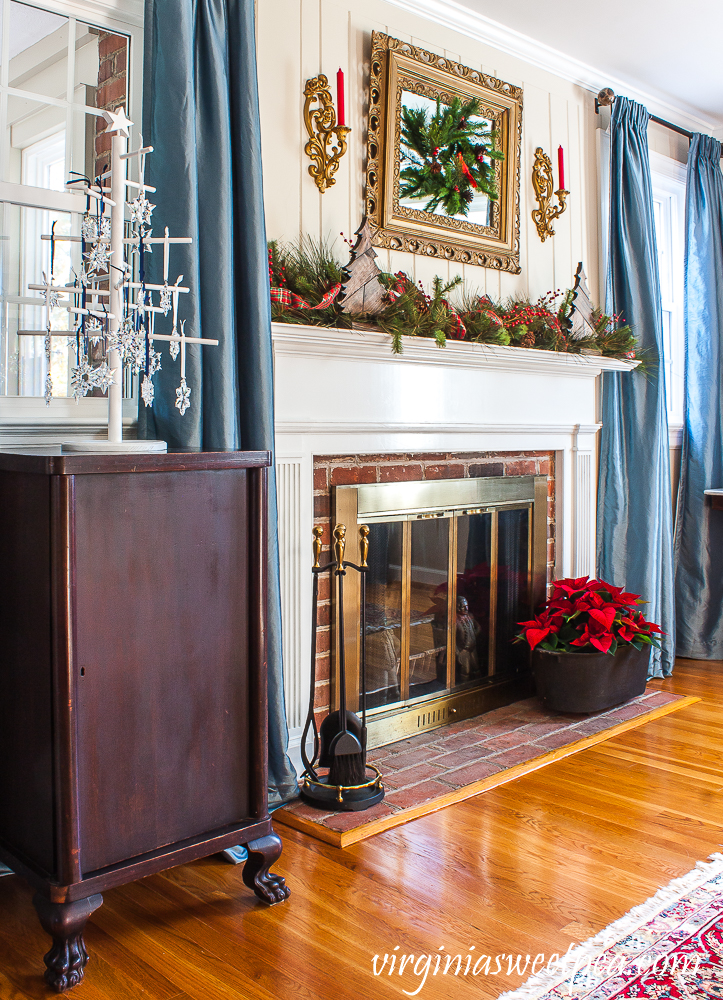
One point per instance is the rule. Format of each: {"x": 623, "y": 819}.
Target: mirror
{"x": 459, "y": 200}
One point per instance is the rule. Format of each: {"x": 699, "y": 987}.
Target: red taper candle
{"x": 561, "y": 167}
{"x": 340, "y": 116}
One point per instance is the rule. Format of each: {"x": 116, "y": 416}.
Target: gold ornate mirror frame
{"x": 398, "y": 67}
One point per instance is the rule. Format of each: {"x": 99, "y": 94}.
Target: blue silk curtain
{"x": 201, "y": 116}
{"x": 635, "y": 535}
{"x": 699, "y": 530}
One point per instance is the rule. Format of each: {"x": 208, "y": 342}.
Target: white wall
{"x": 297, "y": 39}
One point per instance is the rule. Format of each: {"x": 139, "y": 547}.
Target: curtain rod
{"x": 606, "y": 98}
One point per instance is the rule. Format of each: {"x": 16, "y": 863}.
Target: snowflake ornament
{"x": 141, "y": 210}
{"x": 174, "y": 347}
{"x": 165, "y": 298}
{"x": 94, "y": 331}
{"x": 154, "y": 362}
{"x": 80, "y": 379}
{"x": 103, "y": 377}
{"x": 183, "y": 396}
{"x": 147, "y": 391}
{"x": 98, "y": 259}
{"x": 54, "y": 300}
{"x": 124, "y": 341}
{"x": 105, "y": 228}
{"x": 89, "y": 228}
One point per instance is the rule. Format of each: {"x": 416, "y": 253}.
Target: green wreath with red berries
{"x": 449, "y": 155}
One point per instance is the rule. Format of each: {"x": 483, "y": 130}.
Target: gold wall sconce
{"x": 327, "y": 138}
{"x": 543, "y": 183}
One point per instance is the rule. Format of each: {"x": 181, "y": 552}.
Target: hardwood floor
{"x": 530, "y": 867}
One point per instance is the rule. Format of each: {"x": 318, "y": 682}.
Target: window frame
{"x": 668, "y": 177}
{"x": 26, "y": 421}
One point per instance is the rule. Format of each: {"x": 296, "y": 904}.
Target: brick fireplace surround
{"x": 354, "y": 470}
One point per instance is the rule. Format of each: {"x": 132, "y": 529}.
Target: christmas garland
{"x": 306, "y": 280}
{"x": 544, "y": 324}
{"x": 448, "y": 155}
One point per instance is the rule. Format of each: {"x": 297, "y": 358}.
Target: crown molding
{"x": 452, "y": 15}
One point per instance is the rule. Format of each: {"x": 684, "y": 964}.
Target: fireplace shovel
{"x": 340, "y": 744}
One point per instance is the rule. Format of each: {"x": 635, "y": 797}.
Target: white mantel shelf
{"x": 343, "y": 392}
{"x": 365, "y": 346}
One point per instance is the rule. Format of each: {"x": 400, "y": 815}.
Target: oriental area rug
{"x": 444, "y": 766}
{"x": 668, "y": 948}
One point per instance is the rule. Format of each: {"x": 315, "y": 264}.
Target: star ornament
{"x": 118, "y": 122}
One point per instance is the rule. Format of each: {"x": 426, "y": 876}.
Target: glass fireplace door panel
{"x": 472, "y": 618}
{"x": 513, "y": 587}
{"x": 428, "y": 606}
{"x": 384, "y": 614}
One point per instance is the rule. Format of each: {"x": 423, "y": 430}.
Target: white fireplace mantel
{"x": 342, "y": 392}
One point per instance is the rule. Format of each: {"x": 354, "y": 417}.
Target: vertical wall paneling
{"x": 280, "y": 103}
{"x": 288, "y": 473}
{"x": 559, "y": 136}
{"x": 539, "y": 259}
{"x": 334, "y": 53}
{"x": 309, "y": 39}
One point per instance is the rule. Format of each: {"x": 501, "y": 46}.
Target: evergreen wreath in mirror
{"x": 449, "y": 155}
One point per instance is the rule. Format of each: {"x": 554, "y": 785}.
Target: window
{"x": 668, "y": 178}
{"x": 60, "y": 73}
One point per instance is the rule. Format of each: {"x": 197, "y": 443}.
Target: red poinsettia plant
{"x": 586, "y": 613}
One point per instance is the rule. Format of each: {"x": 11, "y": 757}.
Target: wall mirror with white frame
{"x": 57, "y": 74}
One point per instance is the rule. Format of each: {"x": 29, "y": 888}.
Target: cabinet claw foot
{"x": 268, "y": 886}
{"x": 64, "y": 922}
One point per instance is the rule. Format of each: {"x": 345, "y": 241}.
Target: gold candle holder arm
{"x": 542, "y": 182}
{"x": 327, "y": 140}
{"x": 318, "y": 531}
{"x": 364, "y": 544}
{"x": 339, "y": 545}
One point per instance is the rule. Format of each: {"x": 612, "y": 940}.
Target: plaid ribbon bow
{"x": 290, "y": 300}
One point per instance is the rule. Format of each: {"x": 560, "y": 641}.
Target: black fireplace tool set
{"x": 340, "y": 743}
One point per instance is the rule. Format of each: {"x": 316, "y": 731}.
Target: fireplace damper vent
{"x": 453, "y": 566}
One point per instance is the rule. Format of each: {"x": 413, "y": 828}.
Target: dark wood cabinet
{"x": 133, "y": 713}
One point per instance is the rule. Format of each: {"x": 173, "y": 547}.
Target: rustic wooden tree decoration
{"x": 362, "y": 292}
{"x": 582, "y": 307}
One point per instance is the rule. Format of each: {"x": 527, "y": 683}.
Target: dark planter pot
{"x": 581, "y": 683}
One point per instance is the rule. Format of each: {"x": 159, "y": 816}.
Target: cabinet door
{"x": 161, "y": 623}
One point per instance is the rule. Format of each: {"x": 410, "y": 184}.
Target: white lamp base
{"x": 101, "y": 446}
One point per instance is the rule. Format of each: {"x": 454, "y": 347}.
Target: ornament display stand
{"x": 121, "y": 315}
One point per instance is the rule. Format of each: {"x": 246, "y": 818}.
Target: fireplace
{"x": 453, "y": 566}
{"x": 350, "y": 413}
